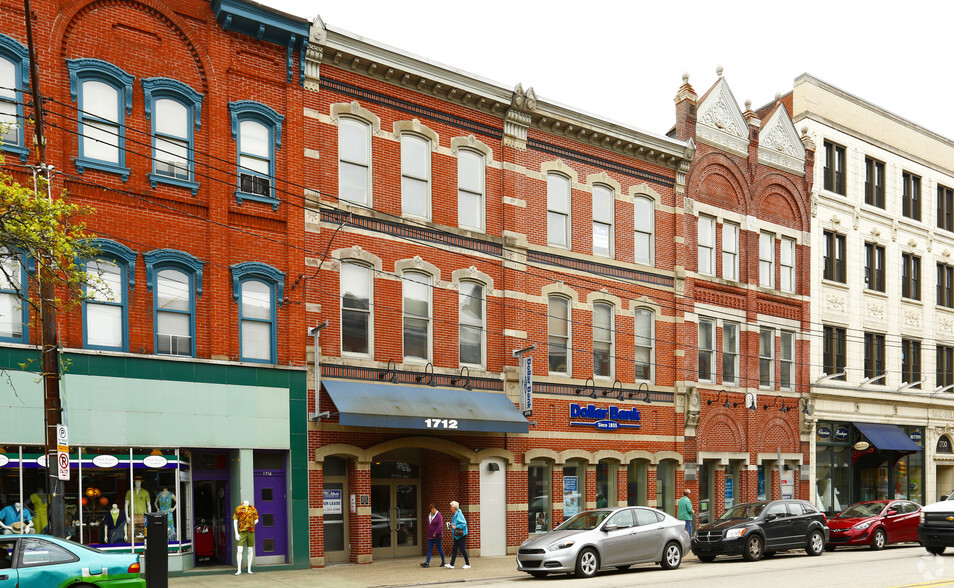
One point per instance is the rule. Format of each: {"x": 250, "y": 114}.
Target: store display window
{"x": 538, "y": 496}
{"x": 108, "y": 494}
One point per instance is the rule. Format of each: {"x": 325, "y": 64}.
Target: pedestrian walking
{"x": 685, "y": 512}
{"x": 458, "y": 525}
{"x": 435, "y": 535}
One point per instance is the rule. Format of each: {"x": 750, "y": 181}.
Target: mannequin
{"x": 10, "y": 519}
{"x": 39, "y": 501}
{"x": 114, "y": 522}
{"x": 139, "y": 498}
{"x": 244, "y": 520}
{"x": 167, "y": 502}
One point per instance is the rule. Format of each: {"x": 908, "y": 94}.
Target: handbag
{"x": 458, "y": 533}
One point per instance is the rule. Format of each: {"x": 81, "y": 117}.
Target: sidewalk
{"x": 389, "y": 572}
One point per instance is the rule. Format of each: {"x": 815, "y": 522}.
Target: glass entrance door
{"x": 395, "y": 508}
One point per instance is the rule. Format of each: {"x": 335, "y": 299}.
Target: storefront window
{"x": 538, "y": 496}
{"x": 666, "y": 486}
{"x": 334, "y": 470}
{"x": 636, "y": 483}
{"x": 574, "y": 487}
{"x": 606, "y": 484}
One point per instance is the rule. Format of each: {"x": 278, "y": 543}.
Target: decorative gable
{"x": 720, "y": 122}
{"x": 779, "y": 144}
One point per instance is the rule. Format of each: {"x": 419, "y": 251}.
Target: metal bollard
{"x": 157, "y": 550}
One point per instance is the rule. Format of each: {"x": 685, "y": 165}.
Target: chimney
{"x": 685, "y": 110}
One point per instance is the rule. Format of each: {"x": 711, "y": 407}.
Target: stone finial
{"x": 719, "y": 70}
{"x": 778, "y": 96}
{"x": 685, "y": 77}
{"x": 748, "y": 104}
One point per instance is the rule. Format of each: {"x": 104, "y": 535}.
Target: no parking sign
{"x": 62, "y": 453}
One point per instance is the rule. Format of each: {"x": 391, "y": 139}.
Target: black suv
{"x": 760, "y": 529}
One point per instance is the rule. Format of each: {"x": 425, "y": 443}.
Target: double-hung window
{"x": 910, "y": 276}
{"x": 707, "y": 240}
{"x": 835, "y": 264}
{"x": 730, "y": 251}
{"x": 558, "y": 210}
{"x": 258, "y": 289}
{"x": 13, "y": 309}
{"x": 105, "y": 308}
{"x": 706, "y": 350}
{"x": 945, "y": 208}
{"x": 874, "y": 356}
{"x": 834, "y": 168}
{"x": 911, "y": 363}
{"x": 786, "y": 264}
{"x": 767, "y": 260}
{"x": 603, "y": 333}
{"x": 176, "y": 113}
{"x": 786, "y": 360}
{"x": 356, "y": 308}
{"x": 558, "y": 334}
{"x": 104, "y": 94}
{"x": 417, "y": 316}
{"x": 472, "y": 324}
{"x": 644, "y": 344}
{"x": 766, "y": 358}
{"x": 833, "y": 351}
{"x": 644, "y": 220}
{"x": 945, "y": 285}
{"x": 354, "y": 161}
{"x": 415, "y": 176}
{"x": 470, "y": 190}
{"x": 604, "y": 201}
{"x": 175, "y": 277}
{"x": 874, "y": 267}
{"x": 730, "y": 353}
{"x": 874, "y": 182}
{"x": 14, "y": 73}
{"x": 258, "y": 131}
{"x": 944, "y": 362}
{"x": 911, "y": 195}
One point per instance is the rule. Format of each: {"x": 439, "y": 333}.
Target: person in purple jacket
{"x": 435, "y": 535}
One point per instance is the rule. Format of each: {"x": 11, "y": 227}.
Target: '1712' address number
{"x": 440, "y": 423}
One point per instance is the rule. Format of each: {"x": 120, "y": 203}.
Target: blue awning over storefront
{"x": 887, "y": 437}
{"x": 402, "y": 406}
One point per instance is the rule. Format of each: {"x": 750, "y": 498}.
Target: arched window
{"x": 558, "y": 333}
{"x": 258, "y": 131}
{"x": 14, "y": 76}
{"x": 257, "y": 288}
{"x": 472, "y": 324}
{"x": 415, "y": 176}
{"x": 175, "y": 277}
{"x": 603, "y": 335}
{"x": 558, "y": 210}
{"x": 105, "y": 310}
{"x": 176, "y": 112}
{"x": 644, "y": 337}
{"x": 104, "y": 94}
{"x": 354, "y": 161}
{"x": 644, "y": 220}
{"x": 604, "y": 204}
{"x": 470, "y": 190}
{"x": 356, "y": 308}
{"x": 417, "y": 316}
{"x": 13, "y": 289}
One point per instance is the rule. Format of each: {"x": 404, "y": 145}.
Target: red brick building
{"x": 178, "y": 122}
{"x": 747, "y": 227}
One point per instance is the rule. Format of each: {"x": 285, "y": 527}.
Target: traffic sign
{"x": 62, "y": 453}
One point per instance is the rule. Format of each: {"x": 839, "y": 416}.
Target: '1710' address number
{"x": 440, "y": 423}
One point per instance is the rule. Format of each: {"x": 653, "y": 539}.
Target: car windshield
{"x": 743, "y": 511}
{"x": 585, "y": 521}
{"x": 862, "y": 509}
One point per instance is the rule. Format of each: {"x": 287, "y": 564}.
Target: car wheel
{"x": 935, "y": 550}
{"x": 672, "y": 556}
{"x": 539, "y": 574}
{"x": 879, "y": 539}
{"x": 587, "y": 563}
{"x": 816, "y": 543}
{"x": 753, "y": 549}
{"x": 706, "y": 558}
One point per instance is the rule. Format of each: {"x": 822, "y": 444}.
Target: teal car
{"x": 42, "y": 561}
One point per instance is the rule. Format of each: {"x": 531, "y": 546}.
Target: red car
{"x": 875, "y": 523}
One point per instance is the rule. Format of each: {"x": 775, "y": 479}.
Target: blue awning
{"x": 887, "y": 437}
{"x": 402, "y": 406}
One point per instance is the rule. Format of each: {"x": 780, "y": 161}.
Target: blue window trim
{"x": 256, "y": 271}
{"x": 249, "y": 110}
{"x": 85, "y": 69}
{"x": 188, "y": 264}
{"x": 164, "y": 88}
{"x": 25, "y": 306}
{"x": 13, "y": 51}
{"x": 125, "y": 258}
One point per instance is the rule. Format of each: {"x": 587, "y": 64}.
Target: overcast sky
{"x": 624, "y": 60}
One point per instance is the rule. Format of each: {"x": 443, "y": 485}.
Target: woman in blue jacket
{"x": 458, "y": 526}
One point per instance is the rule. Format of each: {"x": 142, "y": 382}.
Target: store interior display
{"x": 16, "y": 519}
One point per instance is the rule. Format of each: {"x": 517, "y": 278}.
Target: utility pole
{"x": 52, "y": 407}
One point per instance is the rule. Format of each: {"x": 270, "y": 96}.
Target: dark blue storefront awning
{"x": 887, "y": 437}
{"x": 402, "y": 406}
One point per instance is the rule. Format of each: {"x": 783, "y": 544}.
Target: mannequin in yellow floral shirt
{"x": 244, "y": 520}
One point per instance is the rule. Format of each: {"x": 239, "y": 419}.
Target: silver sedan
{"x": 605, "y": 538}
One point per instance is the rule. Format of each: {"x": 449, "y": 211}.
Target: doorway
{"x": 213, "y": 523}
{"x": 395, "y": 509}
